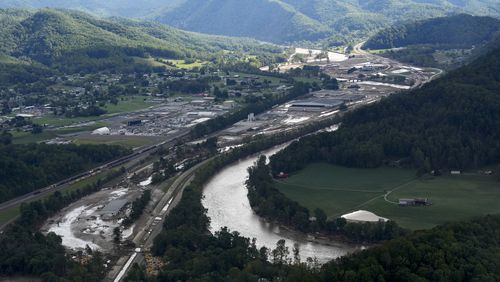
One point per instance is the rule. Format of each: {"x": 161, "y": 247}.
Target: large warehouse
{"x": 315, "y": 104}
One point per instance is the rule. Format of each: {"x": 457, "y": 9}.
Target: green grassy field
{"x": 9, "y": 214}
{"x": 21, "y": 137}
{"x": 127, "y": 141}
{"x": 338, "y": 190}
{"x": 131, "y": 104}
{"x": 183, "y": 65}
{"x": 62, "y": 121}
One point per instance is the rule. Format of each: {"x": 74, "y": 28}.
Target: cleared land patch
{"x": 339, "y": 190}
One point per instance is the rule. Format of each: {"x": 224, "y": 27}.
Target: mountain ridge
{"x": 51, "y": 36}
{"x": 279, "y": 21}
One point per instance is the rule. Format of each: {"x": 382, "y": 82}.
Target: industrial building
{"x": 113, "y": 208}
{"x": 315, "y": 104}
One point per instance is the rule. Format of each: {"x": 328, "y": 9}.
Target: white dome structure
{"x": 363, "y": 216}
{"x": 101, "y": 131}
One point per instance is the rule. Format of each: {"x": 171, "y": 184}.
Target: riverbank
{"x": 225, "y": 198}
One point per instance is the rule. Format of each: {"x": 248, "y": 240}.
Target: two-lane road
{"x": 145, "y": 237}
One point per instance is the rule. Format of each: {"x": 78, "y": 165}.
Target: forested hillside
{"x": 262, "y": 19}
{"x": 452, "y": 122}
{"x": 464, "y": 251}
{"x": 74, "y": 41}
{"x": 276, "y": 20}
{"x": 294, "y": 20}
{"x": 458, "y": 31}
{"x": 118, "y": 8}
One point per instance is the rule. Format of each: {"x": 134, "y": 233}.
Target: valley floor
{"x": 339, "y": 190}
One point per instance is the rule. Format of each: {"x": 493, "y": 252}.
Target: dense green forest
{"x": 463, "y": 251}
{"x": 450, "y": 123}
{"x": 459, "y": 31}
{"x": 446, "y": 42}
{"x": 26, "y": 168}
{"x": 71, "y": 41}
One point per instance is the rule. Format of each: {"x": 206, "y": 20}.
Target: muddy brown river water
{"x": 225, "y": 197}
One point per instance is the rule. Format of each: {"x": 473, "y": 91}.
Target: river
{"x": 225, "y": 197}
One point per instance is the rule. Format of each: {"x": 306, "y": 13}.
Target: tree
{"x": 280, "y": 253}
{"x": 5, "y": 138}
{"x": 321, "y": 217}
{"x": 36, "y": 129}
{"x": 117, "y": 235}
{"x": 296, "y": 254}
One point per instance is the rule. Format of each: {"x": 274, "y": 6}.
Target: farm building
{"x": 414, "y": 202}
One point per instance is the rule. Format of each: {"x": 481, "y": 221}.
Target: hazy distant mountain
{"x": 460, "y": 30}
{"x": 292, "y": 20}
{"x": 120, "y": 8}
{"x": 275, "y": 20}
{"x": 263, "y": 19}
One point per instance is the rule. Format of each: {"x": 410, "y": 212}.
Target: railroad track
{"x": 64, "y": 184}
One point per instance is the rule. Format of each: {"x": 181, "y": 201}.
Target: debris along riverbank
{"x": 91, "y": 221}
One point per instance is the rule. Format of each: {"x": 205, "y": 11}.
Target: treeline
{"x": 26, "y": 168}
{"x": 105, "y": 58}
{"x": 90, "y": 111}
{"x": 450, "y": 123}
{"x": 220, "y": 122}
{"x": 462, "y": 31}
{"x": 190, "y": 86}
{"x": 417, "y": 55}
{"x": 19, "y": 72}
{"x": 26, "y": 251}
{"x": 138, "y": 207}
{"x": 462, "y": 251}
{"x": 268, "y": 202}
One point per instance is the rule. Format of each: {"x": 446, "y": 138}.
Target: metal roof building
{"x": 317, "y": 103}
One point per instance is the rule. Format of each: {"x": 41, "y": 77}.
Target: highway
{"x": 145, "y": 237}
{"x": 61, "y": 185}
{"x": 357, "y": 49}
